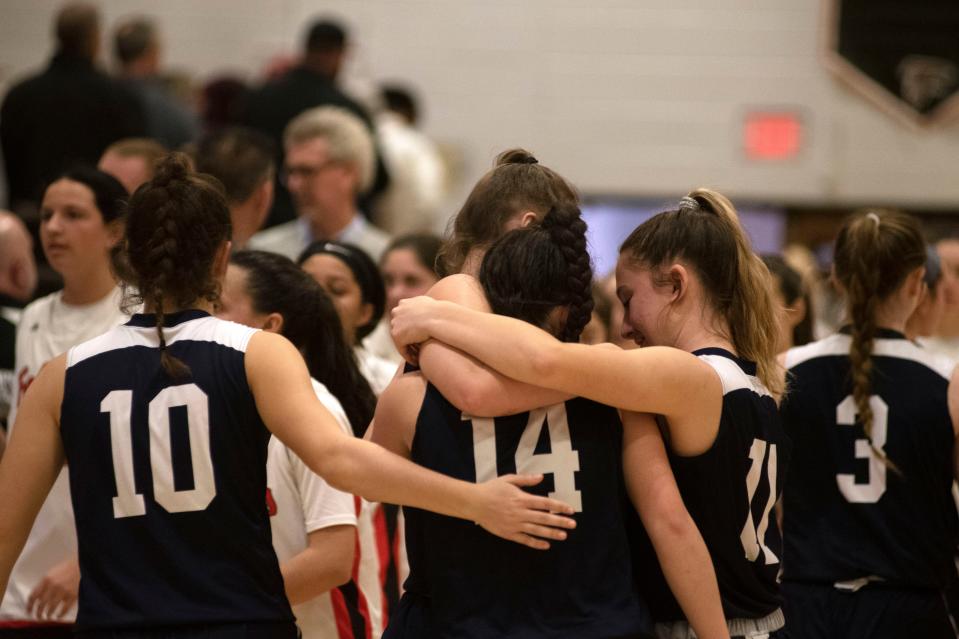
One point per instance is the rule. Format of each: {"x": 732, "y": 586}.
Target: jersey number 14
{"x": 119, "y": 405}
{"x": 562, "y": 461}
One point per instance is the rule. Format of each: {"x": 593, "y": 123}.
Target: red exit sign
{"x": 772, "y": 135}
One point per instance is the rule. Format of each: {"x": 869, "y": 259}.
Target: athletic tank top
{"x": 730, "y": 492}
{"x": 847, "y": 514}
{"x": 478, "y": 585}
{"x": 167, "y": 478}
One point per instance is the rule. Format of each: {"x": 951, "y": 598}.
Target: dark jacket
{"x": 69, "y": 113}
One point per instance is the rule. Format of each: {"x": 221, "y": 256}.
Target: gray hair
{"x": 347, "y": 138}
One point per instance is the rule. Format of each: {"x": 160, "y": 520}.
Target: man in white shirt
{"x": 329, "y": 161}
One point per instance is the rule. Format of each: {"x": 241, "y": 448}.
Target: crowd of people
{"x": 241, "y": 350}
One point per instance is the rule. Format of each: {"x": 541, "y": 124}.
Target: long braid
{"x": 177, "y": 225}
{"x": 568, "y": 230}
{"x": 861, "y": 289}
{"x": 162, "y": 251}
{"x": 874, "y": 254}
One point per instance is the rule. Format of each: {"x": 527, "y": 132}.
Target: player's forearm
{"x": 314, "y": 571}
{"x": 688, "y": 568}
{"x": 515, "y": 348}
{"x": 477, "y": 389}
{"x": 370, "y": 471}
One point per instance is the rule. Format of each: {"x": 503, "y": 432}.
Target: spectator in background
{"x": 223, "y": 101}
{"x": 355, "y": 287}
{"x": 417, "y": 173}
{"x": 136, "y": 47}
{"x": 131, "y": 161}
{"x": 310, "y": 84}
{"x": 329, "y": 162}
{"x": 793, "y": 304}
{"x": 18, "y": 279}
{"x": 409, "y": 269}
{"x": 242, "y": 159}
{"x": 69, "y": 113}
{"x": 945, "y": 340}
{"x": 926, "y": 318}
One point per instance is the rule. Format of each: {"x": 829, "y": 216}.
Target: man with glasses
{"x": 329, "y": 161}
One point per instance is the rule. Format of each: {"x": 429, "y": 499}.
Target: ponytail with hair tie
{"x": 874, "y": 254}
{"x": 704, "y": 231}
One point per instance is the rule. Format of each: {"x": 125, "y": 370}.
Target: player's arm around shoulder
{"x": 286, "y": 401}
{"x": 466, "y": 382}
{"x": 32, "y": 461}
{"x": 278, "y": 378}
{"x": 661, "y": 380}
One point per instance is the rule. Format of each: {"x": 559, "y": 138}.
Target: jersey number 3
{"x": 562, "y": 461}
{"x": 870, "y": 492}
{"x": 119, "y": 405}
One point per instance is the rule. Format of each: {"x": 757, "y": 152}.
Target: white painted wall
{"x": 631, "y": 97}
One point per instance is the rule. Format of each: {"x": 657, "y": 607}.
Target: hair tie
{"x": 687, "y": 203}
{"x": 874, "y": 218}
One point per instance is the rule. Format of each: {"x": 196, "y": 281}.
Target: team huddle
{"x": 703, "y": 485}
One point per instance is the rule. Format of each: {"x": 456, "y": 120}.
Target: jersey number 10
{"x": 562, "y": 461}
{"x": 119, "y": 405}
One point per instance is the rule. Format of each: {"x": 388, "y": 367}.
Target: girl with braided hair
{"x": 465, "y": 585}
{"x": 165, "y": 422}
{"x": 869, "y": 520}
{"x": 700, "y": 301}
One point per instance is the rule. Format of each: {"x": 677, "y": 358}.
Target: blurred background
{"x": 635, "y": 101}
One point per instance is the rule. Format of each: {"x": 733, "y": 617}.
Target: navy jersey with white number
{"x": 730, "y": 492}
{"x": 848, "y": 515}
{"x": 478, "y": 585}
{"x": 168, "y": 477}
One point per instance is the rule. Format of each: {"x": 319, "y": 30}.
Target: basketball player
{"x": 81, "y": 221}
{"x": 315, "y": 527}
{"x": 515, "y": 192}
{"x": 870, "y": 525}
{"x": 463, "y": 586}
{"x": 164, "y": 424}
{"x": 688, "y": 280}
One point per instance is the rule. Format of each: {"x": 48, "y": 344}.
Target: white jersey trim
{"x": 203, "y": 329}
{"x": 733, "y": 377}
{"x": 838, "y": 345}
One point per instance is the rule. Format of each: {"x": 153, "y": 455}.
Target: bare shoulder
{"x": 462, "y": 289}
{"x": 397, "y": 409}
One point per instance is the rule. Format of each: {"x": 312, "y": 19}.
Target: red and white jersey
{"x": 301, "y": 502}
{"x": 49, "y": 327}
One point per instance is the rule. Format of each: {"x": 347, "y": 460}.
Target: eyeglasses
{"x": 304, "y": 171}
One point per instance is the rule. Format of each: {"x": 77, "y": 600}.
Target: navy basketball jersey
{"x": 847, "y": 514}
{"x": 730, "y": 492}
{"x": 478, "y": 585}
{"x": 168, "y": 477}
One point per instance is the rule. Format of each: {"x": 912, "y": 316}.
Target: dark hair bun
{"x": 516, "y": 156}
{"x": 175, "y": 167}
